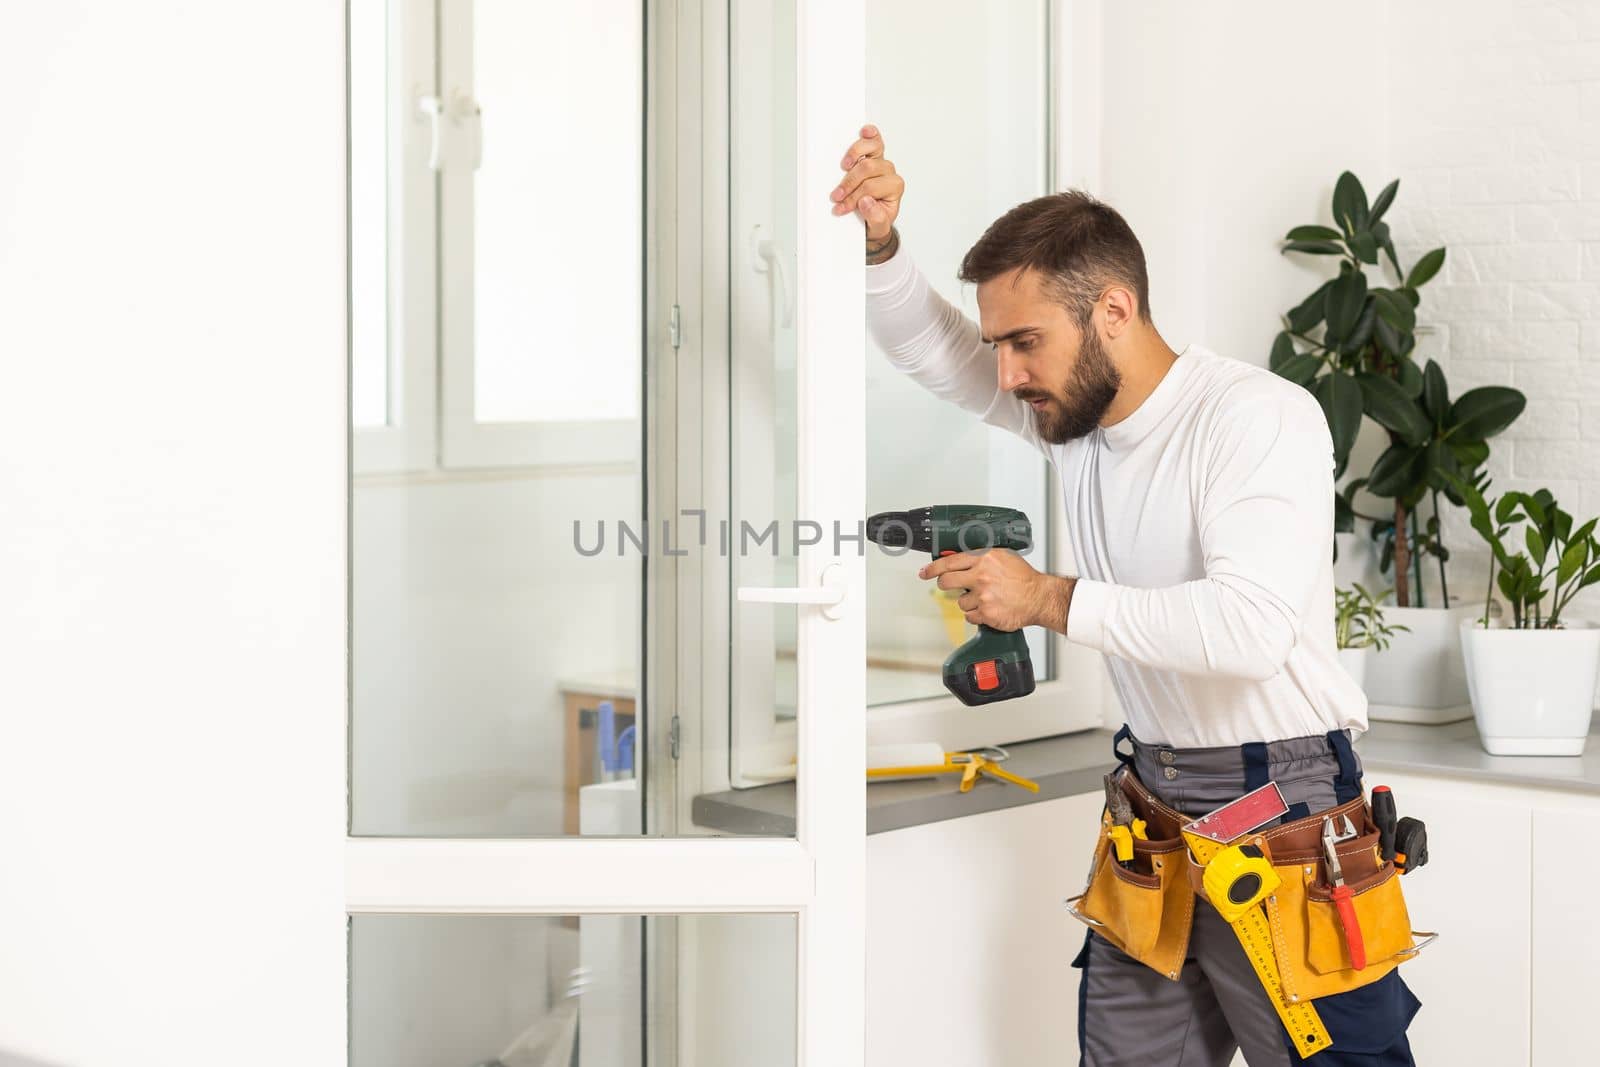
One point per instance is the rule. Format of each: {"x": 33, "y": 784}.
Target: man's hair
{"x": 1080, "y": 246}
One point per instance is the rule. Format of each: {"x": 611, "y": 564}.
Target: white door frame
{"x": 820, "y": 875}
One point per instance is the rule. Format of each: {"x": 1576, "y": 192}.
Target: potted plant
{"x": 1532, "y": 676}
{"x": 1359, "y": 628}
{"x": 1351, "y": 344}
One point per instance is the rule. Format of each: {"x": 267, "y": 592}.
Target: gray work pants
{"x": 1130, "y": 1015}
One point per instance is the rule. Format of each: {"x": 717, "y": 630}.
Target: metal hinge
{"x": 675, "y": 335}
{"x": 673, "y": 735}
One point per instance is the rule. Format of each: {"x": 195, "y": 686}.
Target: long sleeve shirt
{"x": 1202, "y": 525}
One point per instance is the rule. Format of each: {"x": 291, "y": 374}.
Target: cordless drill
{"x": 995, "y": 664}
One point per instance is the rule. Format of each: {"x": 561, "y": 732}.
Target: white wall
{"x": 1222, "y": 125}
{"x": 1495, "y": 129}
{"x": 172, "y": 277}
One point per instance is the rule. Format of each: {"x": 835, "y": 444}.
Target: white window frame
{"x": 408, "y": 442}
{"x": 819, "y": 875}
{"x": 431, "y": 351}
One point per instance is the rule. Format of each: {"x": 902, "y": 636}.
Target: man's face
{"x": 1043, "y": 358}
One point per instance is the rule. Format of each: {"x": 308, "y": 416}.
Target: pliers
{"x": 1343, "y": 899}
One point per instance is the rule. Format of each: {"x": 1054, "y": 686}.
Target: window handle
{"x": 462, "y": 110}
{"x": 771, "y": 259}
{"x": 829, "y": 594}
{"x": 433, "y": 107}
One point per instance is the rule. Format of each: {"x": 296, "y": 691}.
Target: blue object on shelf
{"x": 606, "y": 739}
{"x": 625, "y": 742}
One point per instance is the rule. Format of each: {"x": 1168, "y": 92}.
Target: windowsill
{"x": 1063, "y": 766}
{"x": 1073, "y": 764}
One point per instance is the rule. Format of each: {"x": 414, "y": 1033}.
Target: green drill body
{"x": 995, "y": 664}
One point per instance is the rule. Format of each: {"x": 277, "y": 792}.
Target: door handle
{"x": 769, "y": 258}
{"x": 461, "y": 109}
{"x": 829, "y": 594}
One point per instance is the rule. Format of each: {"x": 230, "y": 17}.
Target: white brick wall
{"x": 1494, "y": 130}
{"x": 1215, "y": 136}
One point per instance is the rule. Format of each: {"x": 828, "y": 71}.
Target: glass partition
{"x": 569, "y": 991}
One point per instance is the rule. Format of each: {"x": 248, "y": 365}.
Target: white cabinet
{"x": 969, "y": 945}
{"x": 1473, "y": 982}
{"x": 1565, "y": 940}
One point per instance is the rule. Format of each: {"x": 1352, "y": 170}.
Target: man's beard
{"x": 1090, "y": 390}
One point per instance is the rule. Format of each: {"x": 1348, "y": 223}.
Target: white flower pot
{"x": 1420, "y": 677}
{"x": 1532, "y": 690}
{"x": 1354, "y": 661}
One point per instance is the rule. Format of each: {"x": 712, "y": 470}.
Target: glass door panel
{"x": 568, "y": 991}
{"x": 762, "y": 381}
{"x": 919, "y": 450}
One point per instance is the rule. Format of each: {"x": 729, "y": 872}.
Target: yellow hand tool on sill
{"x": 967, "y": 764}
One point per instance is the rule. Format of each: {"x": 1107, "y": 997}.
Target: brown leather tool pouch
{"x": 1146, "y": 911}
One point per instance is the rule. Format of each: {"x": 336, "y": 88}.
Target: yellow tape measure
{"x": 1254, "y": 931}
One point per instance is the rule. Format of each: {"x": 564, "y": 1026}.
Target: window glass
{"x": 499, "y": 991}
{"x": 558, "y": 210}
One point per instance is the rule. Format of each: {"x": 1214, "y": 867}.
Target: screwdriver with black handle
{"x": 1405, "y": 841}
{"x": 1383, "y": 814}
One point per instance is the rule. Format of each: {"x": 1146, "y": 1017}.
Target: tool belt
{"x": 1148, "y": 911}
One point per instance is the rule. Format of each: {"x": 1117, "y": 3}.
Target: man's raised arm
{"x": 921, "y": 332}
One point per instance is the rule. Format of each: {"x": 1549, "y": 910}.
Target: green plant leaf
{"x": 1313, "y": 233}
{"x": 1506, "y": 507}
{"x": 1389, "y": 338}
{"x": 1363, "y": 332}
{"x": 1396, "y": 310}
{"x": 1381, "y": 204}
{"x": 1410, "y": 296}
{"x": 1365, "y": 246}
{"x": 1444, "y": 472}
{"x": 1344, "y": 516}
{"x": 1483, "y": 412}
{"x": 1282, "y": 349}
{"x": 1410, "y": 378}
{"x": 1425, "y": 268}
{"x": 1561, "y": 524}
{"x": 1572, "y": 561}
{"x": 1591, "y": 576}
{"x": 1345, "y": 301}
{"x": 1304, "y": 318}
{"x": 1340, "y": 398}
{"x": 1536, "y": 546}
{"x": 1435, "y": 394}
{"x": 1386, "y": 401}
{"x": 1470, "y": 454}
{"x": 1349, "y": 203}
{"x": 1380, "y": 230}
{"x": 1398, "y": 471}
{"x": 1508, "y": 585}
{"x": 1317, "y": 248}
{"x": 1300, "y": 368}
